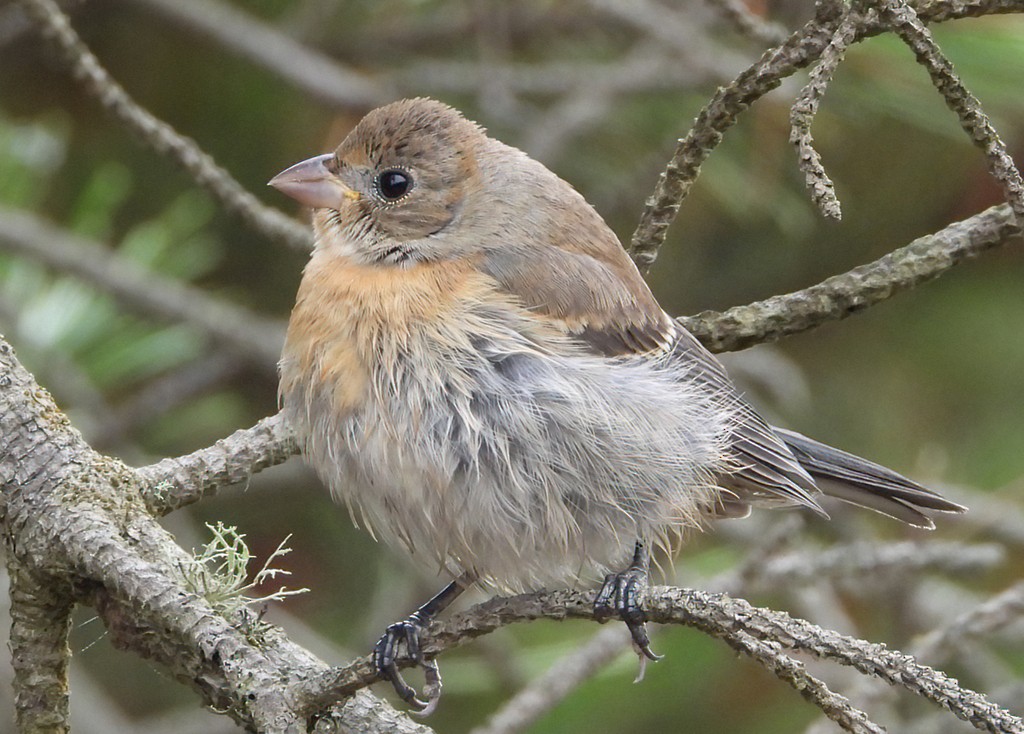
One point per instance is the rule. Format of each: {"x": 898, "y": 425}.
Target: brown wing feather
{"x": 608, "y": 307}
{"x": 768, "y": 471}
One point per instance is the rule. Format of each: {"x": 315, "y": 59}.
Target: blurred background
{"x": 930, "y": 383}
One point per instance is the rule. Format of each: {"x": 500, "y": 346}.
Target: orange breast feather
{"x": 349, "y": 318}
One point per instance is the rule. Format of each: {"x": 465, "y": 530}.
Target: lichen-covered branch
{"x": 176, "y": 482}
{"x": 77, "y": 530}
{"x": 40, "y": 624}
{"x": 823, "y": 191}
{"x": 717, "y": 116}
{"x": 715, "y": 614}
{"x": 720, "y": 113}
{"x": 908, "y": 25}
{"x": 837, "y": 708}
{"x": 763, "y": 568}
{"x": 841, "y": 295}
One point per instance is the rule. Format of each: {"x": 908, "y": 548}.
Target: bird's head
{"x": 394, "y": 186}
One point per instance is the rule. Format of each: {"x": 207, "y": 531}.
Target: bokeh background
{"x": 930, "y": 383}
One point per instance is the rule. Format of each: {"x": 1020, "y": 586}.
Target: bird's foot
{"x": 386, "y": 655}
{"x": 622, "y": 595}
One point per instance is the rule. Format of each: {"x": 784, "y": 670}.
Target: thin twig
{"x": 749, "y": 24}
{"x": 998, "y": 516}
{"x": 578, "y": 109}
{"x": 717, "y": 116}
{"x": 158, "y": 135}
{"x": 546, "y": 691}
{"x": 823, "y": 191}
{"x": 556, "y": 77}
{"x": 681, "y": 32}
{"x": 163, "y": 395}
{"x": 835, "y": 707}
{"x": 993, "y": 614}
{"x": 850, "y": 560}
{"x": 720, "y": 113}
{"x": 908, "y": 26}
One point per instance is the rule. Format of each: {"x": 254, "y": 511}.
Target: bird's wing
{"x": 767, "y": 469}
{"x": 603, "y": 301}
{"x": 610, "y": 312}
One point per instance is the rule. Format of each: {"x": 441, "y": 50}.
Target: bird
{"x": 477, "y": 369}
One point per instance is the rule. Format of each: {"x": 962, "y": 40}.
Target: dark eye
{"x": 393, "y": 184}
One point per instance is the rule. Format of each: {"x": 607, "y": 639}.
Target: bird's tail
{"x": 864, "y": 483}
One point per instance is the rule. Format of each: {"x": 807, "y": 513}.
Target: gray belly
{"x": 523, "y": 468}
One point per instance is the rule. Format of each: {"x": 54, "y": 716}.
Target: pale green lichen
{"x": 219, "y": 573}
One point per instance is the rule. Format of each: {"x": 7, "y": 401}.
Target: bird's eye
{"x": 393, "y": 184}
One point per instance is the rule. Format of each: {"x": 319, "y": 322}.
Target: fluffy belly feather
{"x": 480, "y": 445}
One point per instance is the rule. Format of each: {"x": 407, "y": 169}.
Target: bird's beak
{"x": 313, "y": 184}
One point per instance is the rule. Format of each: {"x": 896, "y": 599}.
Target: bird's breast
{"x": 355, "y": 327}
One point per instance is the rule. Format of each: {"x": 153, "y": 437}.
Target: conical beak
{"x": 313, "y": 184}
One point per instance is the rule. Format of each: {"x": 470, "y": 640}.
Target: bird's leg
{"x": 622, "y": 595}
{"x": 407, "y": 632}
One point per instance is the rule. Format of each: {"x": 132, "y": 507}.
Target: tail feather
{"x": 861, "y": 482}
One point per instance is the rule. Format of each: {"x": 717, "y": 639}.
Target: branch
{"x": 720, "y": 113}
{"x": 714, "y": 614}
{"x": 763, "y": 567}
{"x": 672, "y": 28}
{"x": 40, "y": 625}
{"x": 555, "y": 78}
{"x": 158, "y": 135}
{"x": 174, "y": 483}
{"x": 909, "y": 27}
{"x": 804, "y": 109}
{"x": 546, "y": 691}
{"x": 837, "y": 297}
{"x": 162, "y": 395}
{"x": 76, "y": 520}
{"x": 989, "y": 616}
{"x": 256, "y": 338}
{"x": 790, "y": 671}
{"x": 750, "y": 24}
{"x": 717, "y": 116}
{"x": 862, "y": 558}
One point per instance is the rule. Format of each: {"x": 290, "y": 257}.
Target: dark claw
{"x": 385, "y": 659}
{"x": 622, "y": 596}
